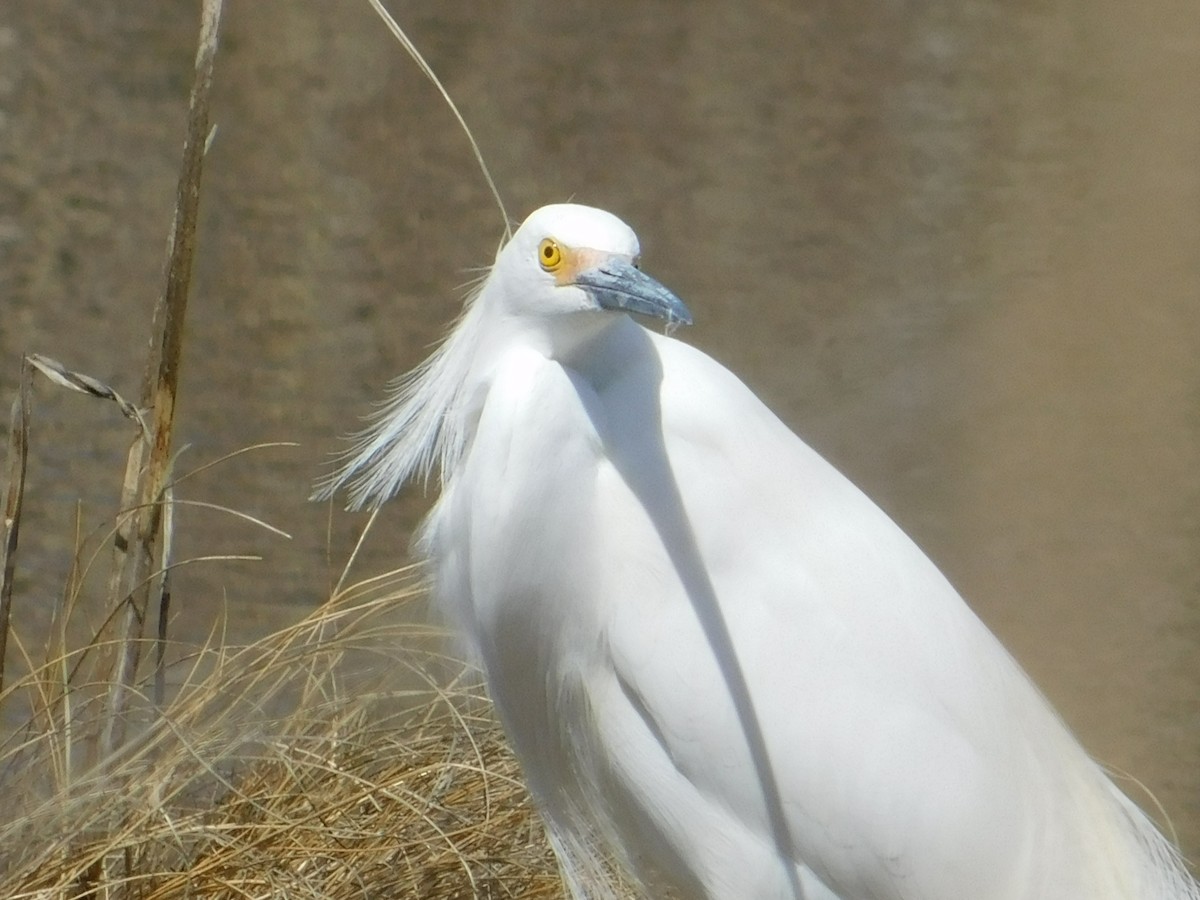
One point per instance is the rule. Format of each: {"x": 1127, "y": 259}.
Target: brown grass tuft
{"x": 287, "y": 768}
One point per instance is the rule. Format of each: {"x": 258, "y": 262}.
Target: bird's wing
{"x": 799, "y": 663}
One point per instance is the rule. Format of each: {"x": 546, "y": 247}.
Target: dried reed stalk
{"x": 133, "y": 545}
{"x": 18, "y": 454}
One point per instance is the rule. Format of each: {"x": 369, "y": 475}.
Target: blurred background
{"x": 956, "y": 245}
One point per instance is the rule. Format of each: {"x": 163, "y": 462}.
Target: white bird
{"x": 713, "y": 655}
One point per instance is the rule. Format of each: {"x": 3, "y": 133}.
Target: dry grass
{"x": 288, "y": 768}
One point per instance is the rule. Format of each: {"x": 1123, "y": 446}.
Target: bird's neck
{"x": 579, "y": 340}
{"x": 565, "y": 338}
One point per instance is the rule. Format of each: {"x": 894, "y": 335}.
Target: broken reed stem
{"x": 18, "y": 454}
{"x": 164, "y": 598}
{"x": 134, "y": 542}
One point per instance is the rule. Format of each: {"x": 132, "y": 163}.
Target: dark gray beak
{"x": 616, "y": 284}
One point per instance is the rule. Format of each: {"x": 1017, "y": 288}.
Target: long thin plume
{"x": 421, "y": 424}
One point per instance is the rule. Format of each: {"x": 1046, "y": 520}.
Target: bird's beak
{"x": 618, "y": 284}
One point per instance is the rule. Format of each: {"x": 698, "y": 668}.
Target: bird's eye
{"x": 550, "y": 255}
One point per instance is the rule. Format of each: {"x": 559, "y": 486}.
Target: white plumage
{"x": 711, "y": 652}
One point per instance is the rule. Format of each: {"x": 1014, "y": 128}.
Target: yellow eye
{"x": 550, "y": 254}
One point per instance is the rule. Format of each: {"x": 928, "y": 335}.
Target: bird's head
{"x": 568, "y": 258}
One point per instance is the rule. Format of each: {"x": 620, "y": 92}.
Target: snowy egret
{"x": 712, "y": 654}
